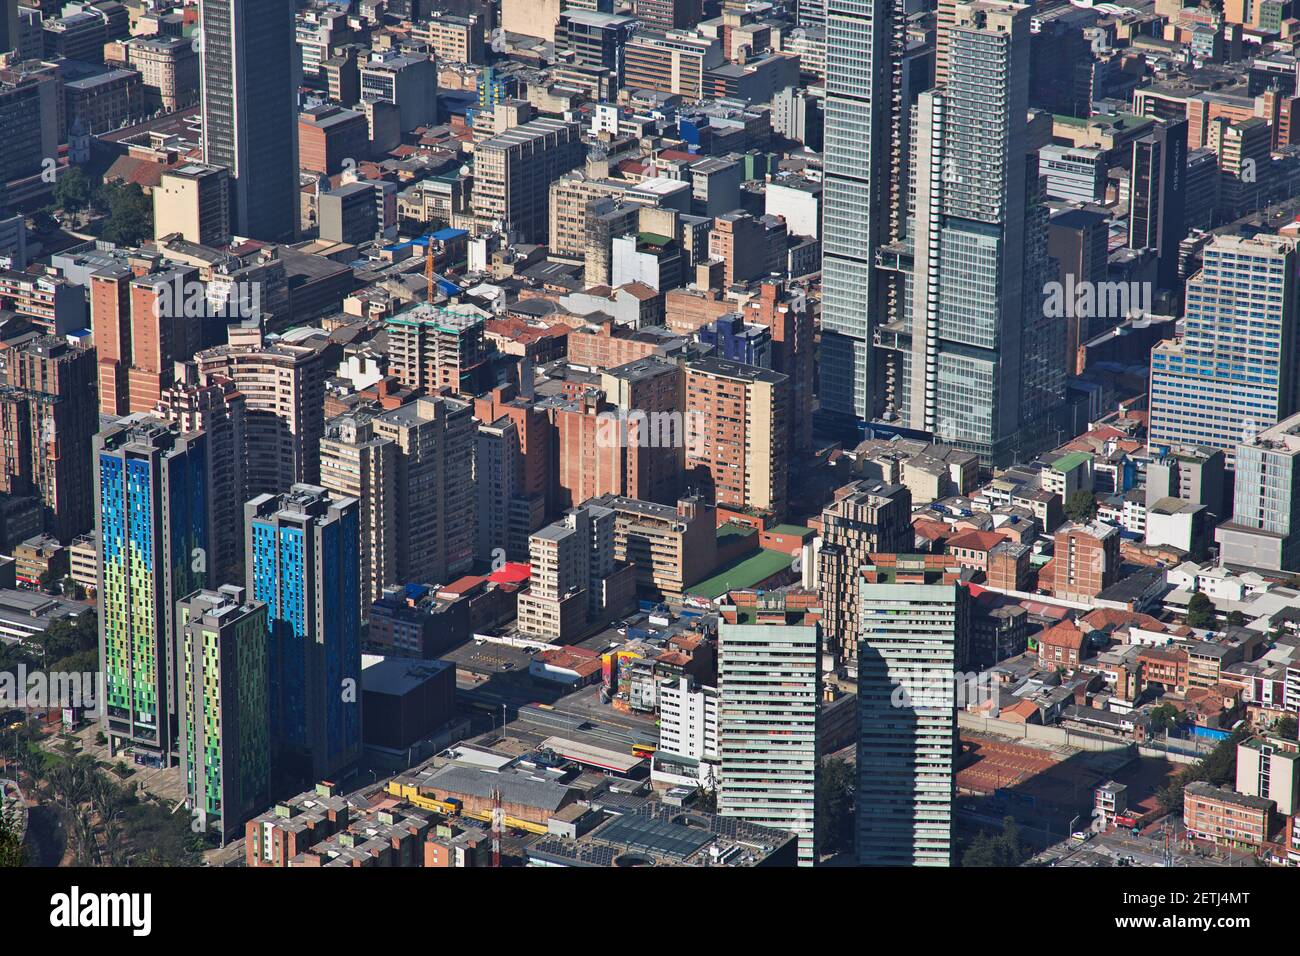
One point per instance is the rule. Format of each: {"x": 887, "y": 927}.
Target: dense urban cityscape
{"x": 649, "y": 433}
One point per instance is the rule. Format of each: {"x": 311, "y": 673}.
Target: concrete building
{"x": 356, "y": 463}
{"x": 672, "y": 62}
{"x": 348, "y": 214}
{"x": 513, "y": 172}
{"x": 250, "y": 84}
{"x": 745, "y": 412}
{"x": 1264, "y": 531}
{"x": 224, "y": 708}
{"x": 407, "y": 81}
{"x": 283, "y": 385}
{"x": 769, "y": 677}
{"x": 866, "y": 517}
{"x": 193, "y": 201}
{"x": 915, "y": 635}
{"x": 1270, "y": 769}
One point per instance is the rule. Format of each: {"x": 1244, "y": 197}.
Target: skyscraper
{"x": 222, "y": 700}
{"x": 250, "y": 83}
{"x": 915, "y": 626}
{"x": 47, "y": 422}
{"x": 976, "y": 360}
{"x": 1265, "y": 528}
{"x": 769, "y": 675}
{"x": 1232, "y": 374}
{"x": 302, "y": 560}
{"x": 151, "y": 514}
{"x": 1156, "y": 219}
{"x": 434, "y": 487}
{"x": 855, "y": 214}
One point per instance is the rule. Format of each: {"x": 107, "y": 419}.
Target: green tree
{"x": 1005, "y": 849}
{"x": 1200, "y": 611}
{"x": 12, "y": 852}
{"x": 1236, "y": 619}
{"x": 835, "y": 786}
{"x": 1081, "y": 506}
{"x": 1218, "y": 767}
{"x": 1165, "y": 717}
{"x": 1286, "y": 727}
{"x": 74, "y": 191}
{"x": 129, "y": 211}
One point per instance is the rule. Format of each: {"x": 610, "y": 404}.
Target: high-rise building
{"x": 1078, "y": 240}
{"x": 769, "y": 678}
{"x": 302, "y": 560}
{"x": 225, "y": 722}
{"x": 216, "y": 409}
{"x": 866, "y": 517}
{"x": 575, "y": 578}
{"x": 742, "y": 415}
{"x": 1156, "y": 212}
{"x": 786, "y": 313}
{"x": 688, "y": 727}
{"x": 513, "y": 172}
{"x": 496, "y": 468}
{"x": 1232, "y": 373}
{"x": 250, "y": 101}
{"x": 435, "y": 487}
{"x": 47, "y": 423}
{"x": 1265, "y": 528}
{"x": 915, "y": 630}
{"x": 674, "y": 62}
{"x": 977, "y": 360}
{"x": 855, "y": 200}
{"x": 357, "y": 463}
{"x": 667, "y": 14}
{"x": 193, "y": 201}
{"x": 142, "y": 330}
{"x": 433, "y": 348}
{"x": 152, "y": 518}
{"x": 283, "y": 385}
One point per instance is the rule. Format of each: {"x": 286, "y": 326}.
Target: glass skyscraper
{"x": 152, "y": 516}
{"x": 1231, "y": 375}
{"x": 302, "y": 559}
{"x": 976, "y": 360}
{"x": 855, "y": 217}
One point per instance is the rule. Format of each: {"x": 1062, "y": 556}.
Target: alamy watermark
{"x": 189, "y": 298}
{"x": 53, "y": 690}
{"x": 1096, "y": 300}
{"x": 640, "y": 429}
{"x": 944, "y": 690}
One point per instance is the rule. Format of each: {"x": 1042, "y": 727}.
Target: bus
{"x": 645, "y": 751}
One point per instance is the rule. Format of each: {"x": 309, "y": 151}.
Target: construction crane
{"x": 428, "y": 266}
{"x": 498, "y": 819}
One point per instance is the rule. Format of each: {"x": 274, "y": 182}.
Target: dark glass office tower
{"x": 250, "y": 81}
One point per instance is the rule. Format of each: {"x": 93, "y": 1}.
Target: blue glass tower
{"x": 303, "y": 559}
